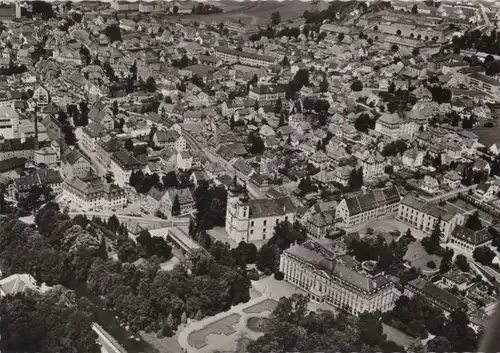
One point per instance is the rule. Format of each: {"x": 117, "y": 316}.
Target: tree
{"x": 113, "y": 223}
{"x": 113, "y": 32}
{"x": 474, "y": 222}
{"x": 439, "y": 344}
{"x": 275, "y": 18}
{"x": 110, "y": 177}
{"x": 356, "y": 178}
{"x": 432, "y": 244}
{"x": 285, "y": 62}
{"x": 414, "y": 10}
{"x": 357, "y": 86}
{"x": 176, "y": 206}
{"x": 278, "y": 106}
{"x": 175, "y": 10}
{"x": 415, "y": 52}
{"x": 256, "y": 143}
{"x": 446, "y": 261}
{"x": 484, "y": 255}
{"x": 340, "y": 37}
{"x": 323, "y": 86}
{"x": 462, "y": 263}
{"x": 267, "y": 258}
{"x": 363, "y": 123}
{"x": 169, "y": 180}
{"x": 151, "y": 85}
{"x": 129, "y": 145}
{"x": 394, "y": 48}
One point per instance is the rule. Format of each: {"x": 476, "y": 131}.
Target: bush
{"x": 166, "y": 331}
{"x": 488, "y": 124}
{"x": 279, "y": 276}
{"x": 253, "y": 274}
{"x": 431, "y": 264}
{"x": 369, "y": 231}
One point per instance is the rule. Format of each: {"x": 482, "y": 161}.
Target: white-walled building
{"x": 423, "y": 215}
{"x": 122, "y": 165}
{"x": 396, "y": 127}
{"x": 9, "y": 123}
{"x": 91, "y": 192}
{"x": 253, "y": 220}
{"x": 314, "y": 269}
{"x": 372, "y": 205}
{"x": 468, "y": 240}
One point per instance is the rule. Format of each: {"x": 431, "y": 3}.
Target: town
{"x": 184, "y": 177}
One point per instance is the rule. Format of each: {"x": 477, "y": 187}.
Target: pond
{"x": 259, "y": 324}
{"x": 107, "y": 319}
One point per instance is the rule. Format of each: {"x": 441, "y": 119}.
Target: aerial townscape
{"x": 249, "y": 177}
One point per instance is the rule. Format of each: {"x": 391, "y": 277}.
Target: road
{"x": 191, "y": 141}
{"x": 144, "y": 219}
{"x": 107, "y": 342}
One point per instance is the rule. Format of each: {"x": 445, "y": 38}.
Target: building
{"x": 152, "y": 6}
{"x": 40, "y": 178}
{"x": 91, "y": 192}
{"x": 365, "y": 207}
{"x": 395, "y": 127}
{"x": 48, "y": 156}
{"x": 315, "y": 269}
{"x": 437, "y": 296}
{"x": 9, "y": 123}
{"x": 41, "y": 96}
{"x": 229, "y": 55}
{"x": 423, "y": 215}
{"x": 105, "y": 149}
{"x": 468, "y": 240}
{"x": 266, "y": 94}
{"x": 10, "y": 11}
{"x": 320, "y": 224}
{"x": 123, "y": 164}
{"x": 170, "y": 139}
{"x": 75, "y": 164}
{"x": 125, "y": 5}
{"x": 186, "y": 202}
{"x": 252, "y": 220}
{"x": 485, "y": 84}
{"x": 91, "y": 135}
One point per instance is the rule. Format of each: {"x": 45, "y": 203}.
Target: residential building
{"x": 266, "y": 94}
{"x": 9, "y": 123}
{"x": 170, "y": 139}
{"x": 315, "y": 269}
{"x": 229, "y": 55}
{"x": 75, "y": 164}
{"x": 437, "y": 296}
{"x": 423, "y": 215}
{"x": 47, "y": 156}
{"x": 91, "y": 135}
{"x": 40, "y": 178}
{"x": 186, "y": 202}
{"x": 321, "y": 224}
{"x": 123, "y": 164}
{"x": 468, "y": 240}
{"x": 105, "y": 149}
{"x": 372, "y": 205}
{"x": 91, "y": 192}
{"x": 253, "y": 220}
{"x": 485, "y": 84}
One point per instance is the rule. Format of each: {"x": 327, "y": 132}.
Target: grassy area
{"x": 198, "y": 339}
{"x": 266, "y": 305}
{"x": 165, "y": 344}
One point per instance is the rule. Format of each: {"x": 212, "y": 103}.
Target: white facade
{"x": 9, "y": 123}
{"x": 336, "y": 286}
{"x": 423, "y": 215}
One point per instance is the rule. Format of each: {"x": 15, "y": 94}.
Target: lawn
{"x": 266, "y": 305}
{"x": 198, "y": 339}
{"x": 397, "y": 336}
{"x": 418, "y": 257}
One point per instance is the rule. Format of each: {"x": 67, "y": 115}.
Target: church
{"x": 253, "y": 220}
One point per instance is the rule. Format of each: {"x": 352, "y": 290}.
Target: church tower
{"x": 18, "y": 9}
{"x": 237, "y": 213}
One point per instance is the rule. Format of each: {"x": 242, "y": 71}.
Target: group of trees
{"x": 256, "y": 144}
{"x": 363, "y": 123}
{"x": 293, "y": 328}
{"x": 432, "y": 243}
{"x": 417, "y": 317}
{"x": 394, "y": 148}
{"x": 51, "y": 322}
{"x": 285, "y": 235}
{"x": 205, "y": 9}
{"x": 113, "y": 32}
{"x": 487, "y": 42}
{"x": 144, "y": 182}
{"x": 146, "y": 247}
{"x": 356, "y": 178}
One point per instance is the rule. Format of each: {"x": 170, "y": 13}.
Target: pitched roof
{"x": 372, "y": 200}
{"x": 271, "y": 207}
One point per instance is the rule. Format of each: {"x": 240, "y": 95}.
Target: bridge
{"x": 107, "y": 342}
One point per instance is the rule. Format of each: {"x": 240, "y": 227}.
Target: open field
{"x": 198, "y": 339}
{"x": 254, "y": 13}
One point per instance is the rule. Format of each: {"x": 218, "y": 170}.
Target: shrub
{"x": 431, "y": 264}
{"x": 279, "y": 276}
{"x": 253, "y": 274}
{"x": 369, "y": 231}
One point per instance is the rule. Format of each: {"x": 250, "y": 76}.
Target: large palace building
{"x": 314, "y": 268}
